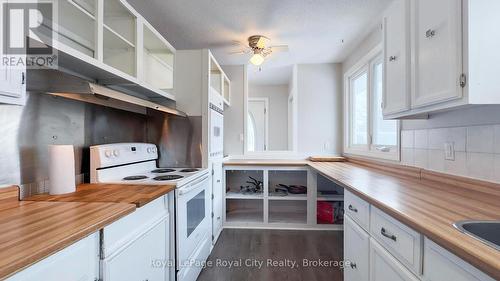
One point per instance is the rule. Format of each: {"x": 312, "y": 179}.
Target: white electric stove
{"x": 135, "y": 163}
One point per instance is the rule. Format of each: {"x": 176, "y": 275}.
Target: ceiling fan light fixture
{"x": 257, "y": 59}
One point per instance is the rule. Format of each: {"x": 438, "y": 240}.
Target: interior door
{"x": 397, "y": 58}
{"x": 257, "y": 125}
{"x": 217, "y": 200}
{"x": 437, "y": 51}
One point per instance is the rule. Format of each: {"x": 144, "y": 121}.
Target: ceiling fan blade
{"x": 279, "y": 48}
{"x": 262, "y": 42}
{"x": 239, "y": 52}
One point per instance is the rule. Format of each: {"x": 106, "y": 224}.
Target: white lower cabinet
{"x": 440, "y": 264}
{"x": 384, "y": 267}
{"x": 393, "y": 251}
{"x": 138, "y": 246}
{"x": 143, "y": 259}
{"x": 356, "y": 251}
{"x": 78, "y": 262}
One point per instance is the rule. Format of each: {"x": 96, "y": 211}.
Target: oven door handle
{"x": 193, "y": 186}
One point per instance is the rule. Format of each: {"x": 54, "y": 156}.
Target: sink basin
{"x": 487, "y": 232}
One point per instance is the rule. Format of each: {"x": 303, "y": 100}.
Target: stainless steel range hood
{"x": 61, "y": 84}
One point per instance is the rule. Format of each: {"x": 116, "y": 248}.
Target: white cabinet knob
{"x": 116, "y": 153}
{"x": 108, "y": 153}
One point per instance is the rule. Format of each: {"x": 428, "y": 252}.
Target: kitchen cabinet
{"x": 396, "y": 252}
{"x": 13, "y": 85}
{"x": 143, "y": 259}
{"x": 439, "y": 264}
{"x": 449, "y": 42}
{"x": 140, "y": 245}
{"x": 385, "y": 267}
{"x": 396, "y": 38}
{"x": 109, "y": 42}
{"x": 437, "y": 51}
{"x": 217, "y": 200}
{"x": 356, "y": 251}
{"x": 77, "y": 262}
{"x": 288, "y": 197}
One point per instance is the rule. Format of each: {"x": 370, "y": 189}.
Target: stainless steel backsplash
{"x": 26, "y": 131}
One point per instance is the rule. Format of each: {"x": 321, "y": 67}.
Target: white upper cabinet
{"x": 396, "y": 27}
{"x": 12, "y": 85}
{"x": 437, "y": 51}
{"x": 450, "y": 43}
{"x": 119, "y": 37}
{"x": 110, "y": 42}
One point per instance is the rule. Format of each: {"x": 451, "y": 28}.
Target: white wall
{"x": 233, "y": 115}
{"x": 319, "y": 109}
{"x": 278, "y": 113}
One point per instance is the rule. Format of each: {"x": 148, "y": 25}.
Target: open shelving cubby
{"x": 119, "y": 35}
{"x": 330, "y": 202}
{"x": 285, "y": 178}
{"x": 288, "y": 211}
{"x": 158, "y": 60}
{"x": 243, "y": 206}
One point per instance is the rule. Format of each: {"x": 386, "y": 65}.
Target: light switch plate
{"x": 449, "y": 151}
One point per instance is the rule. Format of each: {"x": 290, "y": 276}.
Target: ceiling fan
{"x": 257, "y": 46}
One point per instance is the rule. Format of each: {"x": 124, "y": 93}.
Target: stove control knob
{"x": 149, "y": 150}
{"x": 116, "y": 153}
{"x": 108, "y": 153}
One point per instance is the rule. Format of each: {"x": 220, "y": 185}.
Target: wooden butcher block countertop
{"x": 139, "y": 195}
{"x": 428, "y": 202}
{"x": 31, "y": 231}
{"x": 266, "y": 162}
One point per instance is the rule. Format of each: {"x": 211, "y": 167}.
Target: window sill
{"x": 392, "y": 155}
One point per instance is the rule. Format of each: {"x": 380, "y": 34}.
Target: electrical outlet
{"x": 449, "y": 151}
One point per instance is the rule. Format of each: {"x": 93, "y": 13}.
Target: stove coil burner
{"x": 168, "y": 177}
{"x": 134, "y": 178}
{"x": 188, "y": 170}
{"x": 160, "y": 171}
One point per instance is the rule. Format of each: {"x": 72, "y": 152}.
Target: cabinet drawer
{"x": 356, "y": 251}
{"x": 130, "y": 227}
{"x": 439, "y": 264}
{"x": 384, "y": 267}
{"x": 401, "y": 241}
{"x": 357, "y": 209}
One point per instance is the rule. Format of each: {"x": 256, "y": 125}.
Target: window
{"x": 367, "y": 133}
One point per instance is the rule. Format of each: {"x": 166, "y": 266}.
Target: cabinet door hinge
{"x": 463, "y": 80}
{"x": 212, "y": 214}
{"x": 23, "y": 78}
{"x": 212, "y": 197}
{"x": 213, "y": 172}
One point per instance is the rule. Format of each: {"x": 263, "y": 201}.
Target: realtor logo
{"x": 27, "y": 35}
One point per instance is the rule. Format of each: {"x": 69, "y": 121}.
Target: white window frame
{"x": 367, "y": 64}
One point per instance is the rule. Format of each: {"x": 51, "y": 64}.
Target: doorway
{"x": 258, "y": 124}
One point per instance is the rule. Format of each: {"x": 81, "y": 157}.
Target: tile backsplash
{"x": 476, "y": 150}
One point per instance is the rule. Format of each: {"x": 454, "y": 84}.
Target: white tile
{"x": 496, "y": 176}
{"x": 480, "y": 165}
{"x": 420, "y": 157}
{"x": 480, "y": 139}
{"x": 458, "y": 136}
{"x": 437, "y": 138}
{"x": 435, "y": 160}
{"x": 407, "y": 157}
{"x": 407, "y": 139}
{"x": 421, "y": 139}
{"x": 497, "y": 139}
{"x": 458, "y": 166}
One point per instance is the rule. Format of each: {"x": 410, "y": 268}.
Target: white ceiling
{"x": 316, "y": 31}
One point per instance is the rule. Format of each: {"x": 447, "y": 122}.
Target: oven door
{"x": 192, "y": 218}
{"x": 216, "y": 133}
